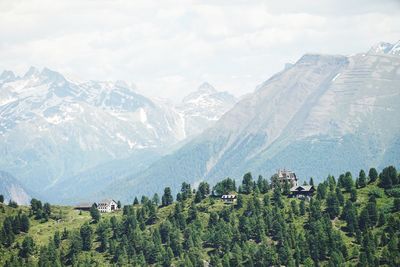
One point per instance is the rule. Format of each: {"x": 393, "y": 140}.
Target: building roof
{"x": 228, "y": 196}
{"x": 84, "y": 205}
{"x": 302, "y": 188}
{"x": 105, "y": 203}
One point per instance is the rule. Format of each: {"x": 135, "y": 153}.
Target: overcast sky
{"x": 167, "y": 48}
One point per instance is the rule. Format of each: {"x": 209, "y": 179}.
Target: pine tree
{"x": 7, "y": 235}
{"x": 388, "y": 177}
{"x": 353, "y": 195}
{"x": 57, "y": 239}
{"x": 372, "y": 175}
{"x": 136, "y": 201}
{"x": 363, "y": 220}
{"x": 321, "y": 191}
{"x": 348, "y": 182}
{"x": 1, "y": 199}
{"x": 95, "y": 213}
{"x": 372, "y": 213}
{"x": 302, "y": 207}
{"x": 362, "y": 179}
{"x": 156, "y": 199}
{"x": 24, "y": 223}
{"x": 167, "y": 198}
{"x": 27, "y": 247}
{"x": 332, "y": 205}
{"x": 339, "y": 196}
{"x": 247, "y": 183}
{"x": 204, "y": 189}
{"x": 46, "y": 211}
{"x": 86, "y": 236}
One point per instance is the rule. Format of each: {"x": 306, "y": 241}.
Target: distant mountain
{"x": 203, "y": 107}
{"x": 386, "y": 48}
{"x": 56, "y": 133}
{"x": 11, "y": 189}
{"x": 334, "y": 113}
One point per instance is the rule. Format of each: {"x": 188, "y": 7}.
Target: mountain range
{"x": 57, "y": 134}
{"x": 325, "y": 112}
{"x": 70, "y": 140}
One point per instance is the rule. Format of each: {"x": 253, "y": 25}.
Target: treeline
{"x": 341, "y": 225}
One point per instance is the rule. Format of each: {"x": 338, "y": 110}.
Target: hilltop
{"x": 348, "y": 221}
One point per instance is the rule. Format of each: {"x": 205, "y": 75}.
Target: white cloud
{"x": 169, "y": 47}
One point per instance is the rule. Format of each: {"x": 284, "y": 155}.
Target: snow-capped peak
{"x": 7, "y": 75}
{"x": 51, "y": 75}
{"x": 33, "y": 71}
{"x": 386, "y": 48}
{"x": 205, "y": 87}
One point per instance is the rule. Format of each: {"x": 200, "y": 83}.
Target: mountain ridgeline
{"x": 330, "y": 113}
{"x": 59, "y": 136}
{"x": 347, "y": 222}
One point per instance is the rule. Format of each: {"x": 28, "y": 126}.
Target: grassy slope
{"x": 72, "y": 220}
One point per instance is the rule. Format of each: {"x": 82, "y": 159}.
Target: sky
{"x": 168, "y": 48}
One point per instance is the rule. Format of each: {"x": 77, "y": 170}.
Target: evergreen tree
{"x": 247, "y": 183}
{"x": 321, "y": 191}
{"x": 349, "y": 214}
{"x": 372, "y": 175}
{"x": 302, "y": 207}
{"x": 332, "y": 205}
{"x": 46, "y": 211}
{"x": 362, "y": 179}
{"x": 136, "y": 201}
{"x": 24, "y": 223}
{"x": 388, "y": 177}
{"x": 363, "y": 220}
{"x": 167, "y": 198}
{"x": 353, "y": 195}
{"x": 204, "y": 189}
{"x": 7, "y": 235}
{"x": 27, "y": 247}
{"x": 372, "y": 213}
{"x": 348, "y": 182}
{"x": 339, "y": 196}
{"x": 57, "y": 239}
{"x": 156, "y": 199}
{"x": 197, "y": 197}
{"x": 1, "y": 199}
{"x": 240, "y": 201}
{"x": 86, "y": 236}
{"x": 95, "y": 213}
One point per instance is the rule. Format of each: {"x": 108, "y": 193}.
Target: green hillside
{"x": 348, "y": 222}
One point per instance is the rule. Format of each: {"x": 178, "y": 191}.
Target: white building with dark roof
{"x": 229, "y": 198}
{"x": 107, "y": 205}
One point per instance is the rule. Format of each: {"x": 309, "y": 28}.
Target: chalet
{"x": 229, "y": 198}
{"x": 302, "y": 191}
{"x": 107, "y": 205}
{"x": 286, "y": 175}
{"x": 84, "y": 206}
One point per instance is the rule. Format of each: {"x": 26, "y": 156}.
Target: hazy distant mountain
{"x": 54, "y": 131}
{"x": 203, "y": 107}
{"x": 324, "y": 113}
{"x": 11, "y": 189}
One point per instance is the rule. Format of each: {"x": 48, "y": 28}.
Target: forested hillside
{"x": 352, "y": 220}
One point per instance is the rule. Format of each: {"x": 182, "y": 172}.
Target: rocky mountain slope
{"x": 12, "y": 189}
{"x": 54, "y": 131}
{"x": 332, "y": 112}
